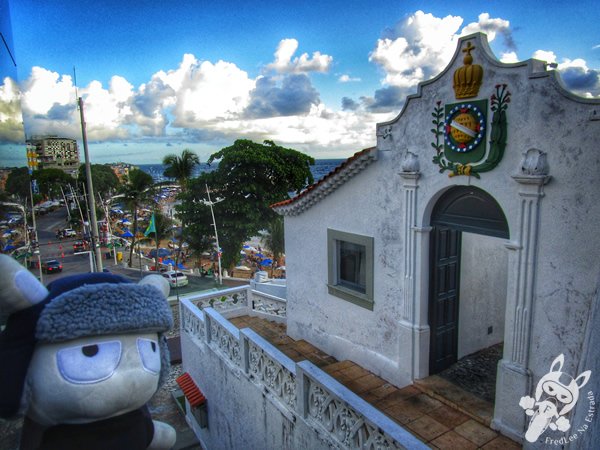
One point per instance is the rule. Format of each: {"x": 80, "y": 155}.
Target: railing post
{"x": 207, "y": 323}
{"x": 245, "y": 349}
{"x": 302, "y": 386}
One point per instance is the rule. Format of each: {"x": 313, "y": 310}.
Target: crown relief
{"x": 468, "y": 78}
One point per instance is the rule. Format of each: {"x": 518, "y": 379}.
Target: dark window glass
{"x": 352, "y": 266}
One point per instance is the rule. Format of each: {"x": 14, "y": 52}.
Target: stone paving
{"x": 422, "y": 408}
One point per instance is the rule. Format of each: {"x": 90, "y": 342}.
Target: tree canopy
{"x": 137, "y": 191}
{"x": 17, "y": 182}
{"x": 48, "y": 182}
{"x": 104, "y": 178}
{"x": 250, "y": 177}
{"x": 181, "y": 168}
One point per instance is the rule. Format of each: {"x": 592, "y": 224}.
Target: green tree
{"x": 181, "y": 168}
{"x": 250, "y": 177}
{"x": 163, "y": 226}
{"x": 103, "y": 177}
{"x": 17, "y": 182}
{"x": 49, "y": 181}
{"x": 137, "y": 192}
{"x": 275, "y": 238}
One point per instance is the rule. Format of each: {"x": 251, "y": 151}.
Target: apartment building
{"x": 53, "y": 152}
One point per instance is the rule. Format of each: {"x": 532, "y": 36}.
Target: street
{"x": 62, "y": 250}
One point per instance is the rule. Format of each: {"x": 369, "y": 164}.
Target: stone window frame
{"x": 364, "y": 300}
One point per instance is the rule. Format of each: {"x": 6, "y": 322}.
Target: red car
{"x": 79, "y": 246}
{"x": 52, "y": 266}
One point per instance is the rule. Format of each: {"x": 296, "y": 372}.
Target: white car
{"x": 69, "y": 232}
{"x": 176, "y": 279}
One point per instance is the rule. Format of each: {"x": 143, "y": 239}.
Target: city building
{"x": 121, "y": 170}
{"x": 473, "y": 223}
{"x": 4, "y": 172}
{"x": 53, "y": 152}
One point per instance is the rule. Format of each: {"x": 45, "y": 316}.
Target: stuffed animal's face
{"x": 93, "y": 378}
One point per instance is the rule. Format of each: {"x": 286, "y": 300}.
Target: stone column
{"x": 514, "y": 376}
{"x": 410, "y": 324}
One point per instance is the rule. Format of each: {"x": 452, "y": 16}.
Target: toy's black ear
{"x": 19, "y": 288}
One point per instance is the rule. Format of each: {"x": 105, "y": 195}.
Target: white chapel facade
{"x": 474, "y": 221}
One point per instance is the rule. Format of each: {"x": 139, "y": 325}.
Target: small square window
{"x": 350, "y": 264}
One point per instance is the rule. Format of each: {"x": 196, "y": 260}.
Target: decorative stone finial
{"x": 410, "y": 163}
{"x": 534, "y": 163}
{"x": 468, "y": 78}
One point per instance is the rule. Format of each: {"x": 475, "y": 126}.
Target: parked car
{"x": 80, "y": 246}
{"x": 52, "y": 266}
{"x": 176, "y": 279}
{"x": 69, "y": 232}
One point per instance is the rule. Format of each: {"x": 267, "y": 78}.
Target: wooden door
{"x": 444, "y": 297}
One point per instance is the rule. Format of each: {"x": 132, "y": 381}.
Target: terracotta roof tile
{"x": 193, "y": 394}
{"x": 327, "y": 184}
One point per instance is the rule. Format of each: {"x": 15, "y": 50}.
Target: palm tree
{"x": 275, "y": 239}
{"x": 181, "y": 168}
{"x": 162, "y": 226}
{"x": 137, "y": 191}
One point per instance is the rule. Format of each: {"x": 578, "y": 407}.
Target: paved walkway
{"x": 422, "y": 408}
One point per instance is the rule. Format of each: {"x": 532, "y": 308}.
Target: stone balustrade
{"x": 301, "y": 392}
{"x": 241, "y": 300}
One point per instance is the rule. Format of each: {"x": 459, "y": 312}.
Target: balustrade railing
{"x": 300, "y": 389}
{"x": 241, "y": 300}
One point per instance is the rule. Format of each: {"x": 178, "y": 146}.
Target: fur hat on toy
{"x": 77, "y": 306}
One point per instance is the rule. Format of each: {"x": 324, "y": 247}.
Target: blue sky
{"x": 159, "y": 76}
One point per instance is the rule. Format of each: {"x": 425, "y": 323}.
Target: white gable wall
{"x": 368, "y": 205}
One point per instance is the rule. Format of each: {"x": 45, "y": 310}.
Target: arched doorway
{"x": 460, "y": 209}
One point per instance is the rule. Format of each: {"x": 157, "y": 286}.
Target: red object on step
{"x": 193, "y": 394}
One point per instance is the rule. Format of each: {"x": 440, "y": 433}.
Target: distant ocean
{"x": 321, "y": 168}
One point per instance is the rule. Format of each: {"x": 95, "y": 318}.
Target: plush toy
{"x": 81, "y": 358}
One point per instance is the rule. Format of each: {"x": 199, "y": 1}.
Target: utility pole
{"x": 210, "y": 203}
{"x": 90, "y": 191}
{"x": 37, "y": 242}
{"x": 66, "y": 203}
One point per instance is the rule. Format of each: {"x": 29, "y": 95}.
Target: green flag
{"x": 151, "y": 227}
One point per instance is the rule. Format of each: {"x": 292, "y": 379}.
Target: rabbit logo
{"x": 555, "y": 395}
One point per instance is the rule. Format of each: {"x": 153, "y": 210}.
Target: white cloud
{"x": 44, "y": 88}
{"x": 491, "y": 27}
{"x": 578, "y": 77}
{"x": 211, "y": 92}
{"x": 509, "y": 57}
{"x": 347, "y": 79}
{"x": 544, "y": 55}
{"x": 11, "y": 120}
{"x": 422, "y": 45}
{"x": 284, "y": 64}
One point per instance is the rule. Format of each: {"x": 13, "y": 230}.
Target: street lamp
{"x": 211, "y": 203}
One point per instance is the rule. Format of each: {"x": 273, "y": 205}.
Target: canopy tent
{"x": 162, "y": 252}
{"x": 127, "y": 234}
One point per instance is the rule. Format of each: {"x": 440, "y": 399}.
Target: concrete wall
{"x": 482, "y": 301}
{"x": 368, "y": 205}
